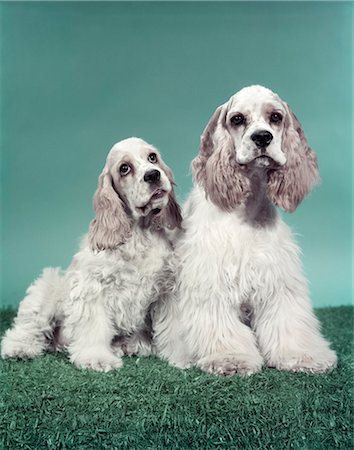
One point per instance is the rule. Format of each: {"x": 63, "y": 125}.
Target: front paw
{"x": 99, "y": 361}
{"x": 241, "y": 364}
{"x": 21, "y": 348}
{"x": 305, "y": 362}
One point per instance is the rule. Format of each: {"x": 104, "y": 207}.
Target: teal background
{"x": 77, "y": 77}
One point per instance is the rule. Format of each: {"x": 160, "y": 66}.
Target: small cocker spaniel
{"x": 100, "y": 305}
{"x": 242, "y": 299}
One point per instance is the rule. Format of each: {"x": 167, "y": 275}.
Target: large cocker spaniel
{"x": 241, "y": 297}
{"x": 100, "y": 306}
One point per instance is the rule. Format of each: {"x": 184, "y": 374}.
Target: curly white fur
{"x": 241, "y": 298}
{"x": 100, "y": 306}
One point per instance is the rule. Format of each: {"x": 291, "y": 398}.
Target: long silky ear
{"x": 215, "y": 168}
{"x": 170, "y": 216}
{"x": 206, "y": 147}
{"x": 111, "y": 226}
{"x": 290, "y": 184}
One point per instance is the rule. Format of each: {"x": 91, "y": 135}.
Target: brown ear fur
{"x": 170, "y": 216}
{"x": 289, "y": 185}
{"x": 215, "y": 169}
{"x": 111, "y": 226}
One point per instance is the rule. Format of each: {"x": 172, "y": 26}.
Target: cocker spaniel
{"x": 242, "y": 299}
{"x": 100, "y": 305}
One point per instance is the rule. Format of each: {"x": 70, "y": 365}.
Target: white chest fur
{"x": 124, "y": 280}
{"x": 228, "y": 255}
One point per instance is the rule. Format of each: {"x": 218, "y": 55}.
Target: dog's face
{"x": 139, "y": 176}
{"x": 255, "y": 129}
{"x": 135, "y": 185}
{"x": 255, "y": 120}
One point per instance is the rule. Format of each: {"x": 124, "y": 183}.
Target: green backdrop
{"x": 77, "y": 77}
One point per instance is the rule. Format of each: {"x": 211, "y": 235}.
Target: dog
{"x": 241, "y": 297}
{"x": 99, "y": 308}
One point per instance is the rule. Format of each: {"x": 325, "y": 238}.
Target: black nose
{"x": 262, "y": 138}
{"x": 152, "y": 176}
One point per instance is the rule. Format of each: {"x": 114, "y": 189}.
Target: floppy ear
{"x": 170, "y": 216}
{"x": 111, "y": 226}
{"x": 289, "y": 185}
{"x": 215, "y": 169}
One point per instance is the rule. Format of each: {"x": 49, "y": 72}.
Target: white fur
{"x": 241, "y": 297}
{"x": 105, "y": 296}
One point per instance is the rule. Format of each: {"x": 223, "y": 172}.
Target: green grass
{"x": 48, "y": 404}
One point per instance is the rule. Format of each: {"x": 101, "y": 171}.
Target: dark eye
{"x": 276, "y": 117}
{"x": 124, "y": 169}
{"x": 237, "y": 120}
{"x": 152, "y": 158}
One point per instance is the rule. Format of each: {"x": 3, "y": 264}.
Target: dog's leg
{"x": 224, "y": 345}
{"x": 90, "y": 331}
{"x": 33, "y": 326}
{"x": 199, "y": 324}
{"x": 287, "y": 330}
{"x": 211, "y": 336}
{"x": 168, "y": 342}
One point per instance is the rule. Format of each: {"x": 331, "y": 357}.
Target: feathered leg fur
{"x": 38, "y": 313}
{"x": 287, "y": 330}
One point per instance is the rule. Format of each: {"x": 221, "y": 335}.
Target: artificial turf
{"x": 49, "y": 404}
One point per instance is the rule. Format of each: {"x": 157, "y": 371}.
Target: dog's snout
{"x": 262, "y": 138}
{"x": 152, "y": 176}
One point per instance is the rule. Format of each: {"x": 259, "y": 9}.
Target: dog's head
{"x": 135, "y": 184}
{"x": 255, "y": 129}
